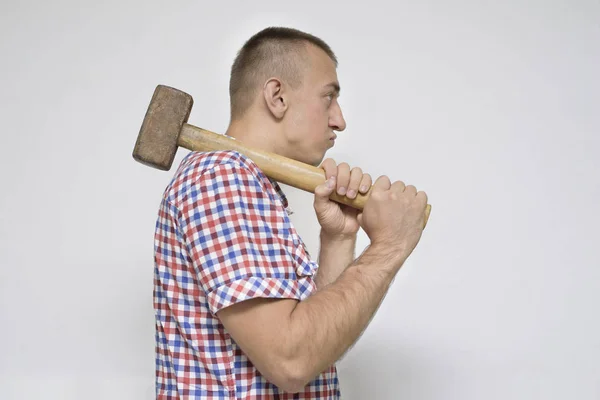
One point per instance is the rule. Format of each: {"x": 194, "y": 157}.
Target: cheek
{"x": 308, "y": 123}
{"x": 319, "y": 114}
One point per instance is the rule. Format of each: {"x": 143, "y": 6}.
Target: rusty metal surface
{"x": 157, "y": 140}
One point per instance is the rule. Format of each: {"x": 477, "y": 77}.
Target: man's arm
{"x": 335, "y": 255}
{"x": 291, "y": 342}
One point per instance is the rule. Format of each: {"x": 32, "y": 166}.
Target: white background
{"x": 492, "y": 108}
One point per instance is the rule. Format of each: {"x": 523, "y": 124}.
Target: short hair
{"x": 274, "y": 51}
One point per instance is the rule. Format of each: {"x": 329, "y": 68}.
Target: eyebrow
{"x": 335, "y": 86}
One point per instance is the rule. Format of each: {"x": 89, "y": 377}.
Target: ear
{"x": 275, "y": 97}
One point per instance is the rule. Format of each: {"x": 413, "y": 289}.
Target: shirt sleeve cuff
{"x": 255, "y": 287}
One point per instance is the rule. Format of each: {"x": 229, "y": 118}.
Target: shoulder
{"x": 200, "y": 162}
{"x": 221, "y": 169}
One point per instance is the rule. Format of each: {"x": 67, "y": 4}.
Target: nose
{"x": 336, "y": 118}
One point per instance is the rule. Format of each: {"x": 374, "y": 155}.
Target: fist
{"x": 348, "y": 181}
{"x": 394, "y": 215}
{"x": 337, "y": 219}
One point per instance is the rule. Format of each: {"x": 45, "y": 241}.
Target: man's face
{"x": 314, "y": 112}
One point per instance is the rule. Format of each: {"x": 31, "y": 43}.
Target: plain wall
{"x": 492, "y": 108}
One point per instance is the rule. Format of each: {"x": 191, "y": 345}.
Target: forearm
{"x": 335, "y": 255}
{"x": 324, "y": 326}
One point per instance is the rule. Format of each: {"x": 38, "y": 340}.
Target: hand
{"x": 394, "y": 215}
{"x": 339, "y": 220}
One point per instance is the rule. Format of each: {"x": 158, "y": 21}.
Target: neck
{"x": 256, "y": 134}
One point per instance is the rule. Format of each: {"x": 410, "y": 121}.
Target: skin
{"x": 291, "y": 342}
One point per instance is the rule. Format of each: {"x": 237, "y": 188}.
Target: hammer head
{"x": 157, "y": 141}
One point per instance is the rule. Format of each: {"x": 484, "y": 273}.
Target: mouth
{"x": 333, "y": 137}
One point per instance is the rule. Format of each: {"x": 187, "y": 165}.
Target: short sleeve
{"x": 238, "y": 239}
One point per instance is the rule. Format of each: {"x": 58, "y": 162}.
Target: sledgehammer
{"x": 165, "y": 128}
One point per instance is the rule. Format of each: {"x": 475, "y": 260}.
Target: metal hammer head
{"x": 157, "y": 141}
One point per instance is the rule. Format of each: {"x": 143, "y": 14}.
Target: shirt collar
{"x": 282, "y": 196}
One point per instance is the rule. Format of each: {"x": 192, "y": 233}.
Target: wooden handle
{"x": 282, "y": 169}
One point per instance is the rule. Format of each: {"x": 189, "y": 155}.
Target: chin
{"x": 311, "y": 159}
{"x": 317, "y": 161}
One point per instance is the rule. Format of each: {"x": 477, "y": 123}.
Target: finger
{"x": 411, "y": 189}
{"x": 422, "y": 201}
{"x": 382, "y": 183}
{"x": 356, "y": 176}
{"x": 330, "y": 168}
{"x": 422, "y": 196}
{"x": 398, "y": 186}
{"x": 343, "y": 178}
{"x": 365, "y": 183}
{"x": 324, "y": 190}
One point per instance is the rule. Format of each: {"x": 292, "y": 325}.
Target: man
{"x": 242, "y": 310}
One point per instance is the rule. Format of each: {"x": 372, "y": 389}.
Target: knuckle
{"x": 378, "y": 196}
{"x": 326, "y": 163}
{"x": 398, "y": 186}
{"x": 383, "y": 182}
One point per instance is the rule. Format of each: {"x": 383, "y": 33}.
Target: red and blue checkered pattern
{"x": 223, "y": 235}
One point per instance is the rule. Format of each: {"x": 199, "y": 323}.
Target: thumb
{"x": 324, "y": 190}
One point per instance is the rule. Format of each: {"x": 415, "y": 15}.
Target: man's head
{"x": 284, "y": 82}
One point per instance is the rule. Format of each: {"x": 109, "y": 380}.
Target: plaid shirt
{"x": 223, "y": 236}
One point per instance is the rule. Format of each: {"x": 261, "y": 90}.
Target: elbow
{"x": 289, "y": 374}
{"x": 292, "y": 377}
{"x": 290, "y": 366}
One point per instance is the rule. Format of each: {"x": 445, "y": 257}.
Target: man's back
{"x": 223, "y": 236}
